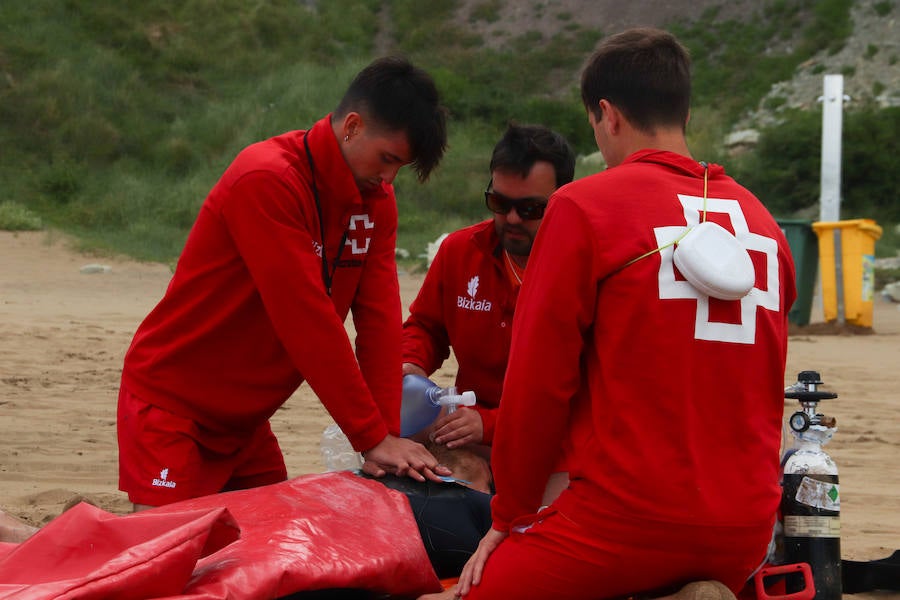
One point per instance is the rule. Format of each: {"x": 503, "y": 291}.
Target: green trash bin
{"x": 804, "y": 245}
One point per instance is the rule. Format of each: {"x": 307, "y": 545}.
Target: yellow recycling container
{"x": 847, "y": 268}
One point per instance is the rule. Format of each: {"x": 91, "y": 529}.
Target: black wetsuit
{"x": 452, "y": 519}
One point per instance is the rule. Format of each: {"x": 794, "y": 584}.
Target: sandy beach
{"x": 63, "y": 334}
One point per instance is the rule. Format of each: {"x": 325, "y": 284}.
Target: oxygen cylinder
{"x": 422, "y": 401}
{"x": 811, "y": 503}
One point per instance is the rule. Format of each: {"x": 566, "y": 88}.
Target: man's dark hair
{"x": 523, "y": 145}
{"x": 645, "y": 73}
{"x": 397, "y": 96}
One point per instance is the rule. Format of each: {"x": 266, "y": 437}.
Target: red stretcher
{"x": 316, "y": 532}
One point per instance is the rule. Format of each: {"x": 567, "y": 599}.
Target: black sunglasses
{"x": 528, "y": 209}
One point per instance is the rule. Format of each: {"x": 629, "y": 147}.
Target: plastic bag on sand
{"x": 326, "y": 531}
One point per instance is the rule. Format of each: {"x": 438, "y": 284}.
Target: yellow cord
{"x": 686, "y": 231}
{"x": 705, "y": 187}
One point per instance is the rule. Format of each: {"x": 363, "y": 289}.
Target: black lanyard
{"x": 327, "y": 276}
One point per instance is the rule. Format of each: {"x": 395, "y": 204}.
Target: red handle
{"x": 807, "y": 593}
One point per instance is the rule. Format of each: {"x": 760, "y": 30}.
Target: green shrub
{"x": 883, "y": 7}
{"x": 706, "y": 131}
{"x": 488, "y": 11}
{"x": 15, "y": 217}
{"x": 888, "y": 246}
{"x": 830, "y": 26}
{"x": 62, "y": 180}
{"x": 785, "y": 169}
{"x": 774, "y": 102}
{"x": 871, "y": 161}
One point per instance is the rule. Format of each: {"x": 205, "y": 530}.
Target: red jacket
{"x": 671, "y": 400}
{"x": 246, "y": 317}
{"x": 467, "y": 302}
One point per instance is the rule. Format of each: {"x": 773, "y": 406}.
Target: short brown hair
{"x": 645, "y": 73}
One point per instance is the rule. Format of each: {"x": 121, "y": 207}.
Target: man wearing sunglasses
{"x": 469, "y": 294}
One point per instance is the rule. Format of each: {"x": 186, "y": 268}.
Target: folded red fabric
{"x": 326, "y": 531}
{"x": 89, "y": 553}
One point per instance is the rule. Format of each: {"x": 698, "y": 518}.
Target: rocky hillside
{"x": 513, "y": 17}
{"x": 869, "y": 61}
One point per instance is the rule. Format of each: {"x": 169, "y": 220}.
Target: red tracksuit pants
{"x": 559, "y": 558}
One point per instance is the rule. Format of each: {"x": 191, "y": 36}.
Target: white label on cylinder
{"x": 809, "y": 526}
{"x": 823, "y": 495}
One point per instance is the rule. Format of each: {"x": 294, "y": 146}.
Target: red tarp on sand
{"x": 333, "y": 530}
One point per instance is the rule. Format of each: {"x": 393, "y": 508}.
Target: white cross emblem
{"x": 670, "y": 288}
{"x": 357, "y": 232}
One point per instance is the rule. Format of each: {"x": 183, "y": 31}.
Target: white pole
{"x": 830, "y": 194}
{"x": 832, "y": 115}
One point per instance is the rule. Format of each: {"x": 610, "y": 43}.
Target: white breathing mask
{"x": 715, "y": 262}
{"x": 712, "y": 260}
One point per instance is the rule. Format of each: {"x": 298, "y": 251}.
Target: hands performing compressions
{"x": 404, "y": 458}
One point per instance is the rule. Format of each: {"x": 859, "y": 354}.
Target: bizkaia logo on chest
{"x": 469, "y": 302}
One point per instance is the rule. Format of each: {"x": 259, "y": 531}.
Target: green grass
{"x": 116, "y": 118}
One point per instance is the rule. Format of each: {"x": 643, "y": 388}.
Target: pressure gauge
{"x": 799, "y": 421}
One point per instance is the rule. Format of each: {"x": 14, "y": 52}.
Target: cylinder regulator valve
{"x": 810, "y": 502}
{"x": 807, "y": 392}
